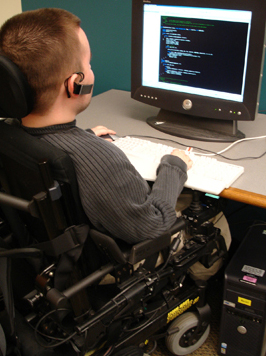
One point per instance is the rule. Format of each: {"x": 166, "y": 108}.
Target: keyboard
{"x": 207, "y": 173}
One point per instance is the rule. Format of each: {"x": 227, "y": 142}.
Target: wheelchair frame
{"x": 148, "y": 299}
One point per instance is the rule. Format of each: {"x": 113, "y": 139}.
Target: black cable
{"x": 173, "y": 248}
{"x": 258, "y": 223}
{"x": 153, "y": 348}
{"x": 145, "y": 323}
{"x": 61, "y": 342}
{"x": 109, "y": 351}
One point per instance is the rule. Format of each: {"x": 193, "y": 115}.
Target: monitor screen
{"x": 200, "y": 62}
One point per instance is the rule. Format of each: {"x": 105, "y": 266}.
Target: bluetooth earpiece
{"x": 79, "y": 89}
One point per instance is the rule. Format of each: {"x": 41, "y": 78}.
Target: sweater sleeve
{"x": 114, "y": 196}
{"x": 120, "y": 200}
{"x": 128, "y": 208}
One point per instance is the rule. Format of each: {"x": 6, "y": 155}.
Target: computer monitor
{"x": 200, "y": 62}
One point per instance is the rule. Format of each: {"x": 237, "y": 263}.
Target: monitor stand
{"x": 195, "y": 128}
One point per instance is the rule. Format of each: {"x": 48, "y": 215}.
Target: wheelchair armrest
{"x": 147, "y": 248}
{"x": 108, "y": 246}
{"x": 123, "y": 253}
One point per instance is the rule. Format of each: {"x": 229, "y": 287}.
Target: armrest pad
{"x": 147, "y": 248}
{"x": 108, "y": 245}
{"x": 125, "y": 253}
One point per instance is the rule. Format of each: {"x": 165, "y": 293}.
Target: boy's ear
{"x": 69, "y": 84}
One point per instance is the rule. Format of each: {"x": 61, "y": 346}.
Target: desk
{"x": 116, "y": 110}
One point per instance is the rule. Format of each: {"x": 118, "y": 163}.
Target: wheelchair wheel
{"x": 177, "y": 343}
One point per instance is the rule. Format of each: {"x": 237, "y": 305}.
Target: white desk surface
{"x": 118, "y": 111}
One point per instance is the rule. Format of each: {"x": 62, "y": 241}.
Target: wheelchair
{"x": 54, "y": 263}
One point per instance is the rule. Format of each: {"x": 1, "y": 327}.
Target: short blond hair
{"x": 45, "y": 46}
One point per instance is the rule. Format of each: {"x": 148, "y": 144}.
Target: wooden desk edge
{"x": 244, "y": 197}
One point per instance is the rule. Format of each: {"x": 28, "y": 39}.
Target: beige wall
{"x": 9, "y": 8}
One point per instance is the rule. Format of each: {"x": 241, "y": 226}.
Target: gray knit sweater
{"x": 114, "y": 196}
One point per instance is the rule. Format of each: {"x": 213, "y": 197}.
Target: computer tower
{"x": 242, "y": 331}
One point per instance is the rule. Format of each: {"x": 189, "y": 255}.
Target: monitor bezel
{"x": 205, "y": 107}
